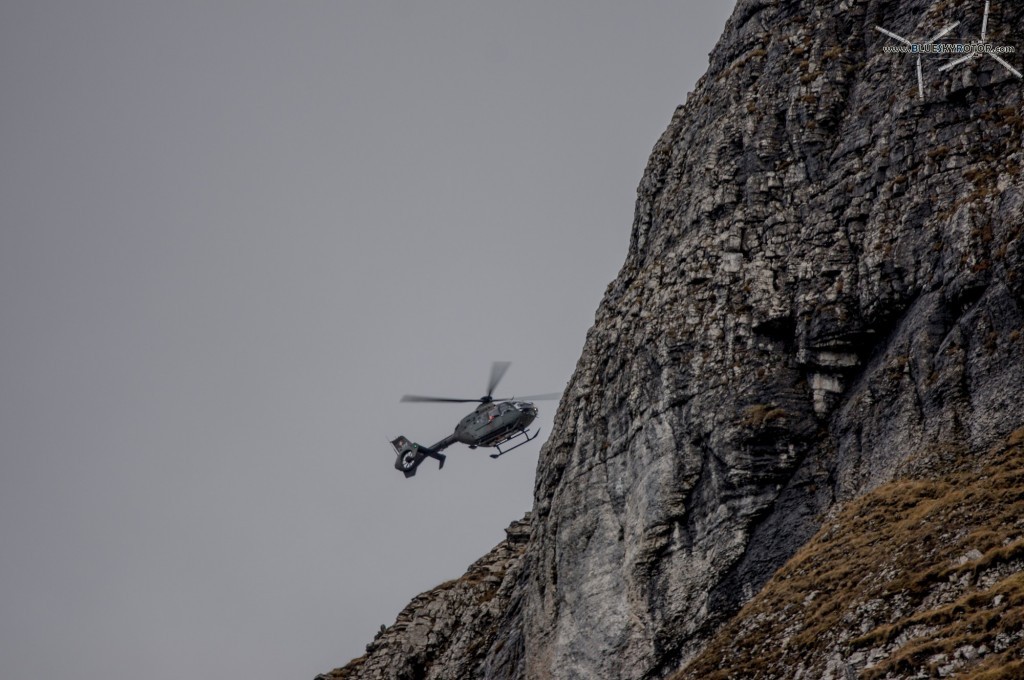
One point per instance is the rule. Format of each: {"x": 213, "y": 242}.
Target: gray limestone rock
{"x": 454, "y": 631}
{"x": 824, "y": 272}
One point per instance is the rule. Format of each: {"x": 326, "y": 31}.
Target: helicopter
{"x": 494, "y": 422}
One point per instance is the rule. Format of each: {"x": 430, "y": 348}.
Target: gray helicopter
{"x": 495, "y": 421}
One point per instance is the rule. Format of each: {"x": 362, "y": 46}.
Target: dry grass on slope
{"x": 923, "y": 577}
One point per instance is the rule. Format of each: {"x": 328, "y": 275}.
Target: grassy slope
{"x": 922, "y": 575}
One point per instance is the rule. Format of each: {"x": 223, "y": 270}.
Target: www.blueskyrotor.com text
{"x": 949, "y": 48}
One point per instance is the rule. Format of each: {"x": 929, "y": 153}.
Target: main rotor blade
{"x": 957, "y": 62}
{"x": 893, "y": 35}
{"x": 984, "y": 22}
{"x": 532, "y": 397}
{"x": 417, "y": 398}
{"x": 498, "y": 369}
{"x": 1006, "y": 65}
{"x": 540, "y": 397}
{"x": 944, "y": 31}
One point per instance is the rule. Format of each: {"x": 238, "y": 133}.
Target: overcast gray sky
{"x": 232, "y": 235}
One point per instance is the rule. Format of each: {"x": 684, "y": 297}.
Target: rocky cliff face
{"x": 825, "y": 277}
{"x": 453, "y": 630}
{"x": 920, "y": 578}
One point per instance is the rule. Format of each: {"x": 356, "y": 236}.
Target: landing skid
{"x": 517, "y": 435}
